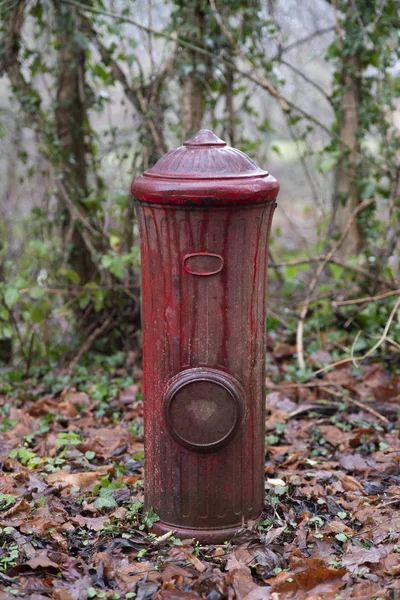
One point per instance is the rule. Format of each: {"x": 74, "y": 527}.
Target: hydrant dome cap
{"x": 205, "y": 156}
{"x": 205, "y": 168}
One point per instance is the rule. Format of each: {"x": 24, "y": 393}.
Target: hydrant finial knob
{"x": 205, "y": 137}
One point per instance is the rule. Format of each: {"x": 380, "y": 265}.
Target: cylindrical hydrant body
{"x": 204, "y": 212}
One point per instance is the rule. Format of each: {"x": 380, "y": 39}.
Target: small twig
{"x": 89, "y": 342}
{"x": 296, "y": 385}
{"x": 347, "y": 398}
{"x": 7, "y": 579}
{"x": 333, "y": 261}
{"x": 277, "y": 271}
{"x": 366, "y": 408}
{"x": 307, "y": 79}
{"x": 5, "y": 6}
{"x": 392, "y": 342}
{"x": 353, "y": 346}
{"x": 315, "y": 407}
{"x": 304, "y": 40}
{"x": 75, "y": 211}
{"x": 366, "y": 299}
{"x": 79, "y": 288}
{"x": 278, "y": 317}
{"x": 382, "y": 338}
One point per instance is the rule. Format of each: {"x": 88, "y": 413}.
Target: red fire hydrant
{"x": 205, "y": 212}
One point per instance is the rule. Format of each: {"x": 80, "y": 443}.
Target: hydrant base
{"x": 206, "y": 536}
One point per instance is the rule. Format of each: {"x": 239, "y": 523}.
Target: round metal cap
{"x": 203, "y": 408}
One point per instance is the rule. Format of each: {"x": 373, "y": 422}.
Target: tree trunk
{"x": 192, "y": 106}
{"x": 71, "y": 126}
{"x": 7, "y": 208}
{"x": 192, "y": 86}
{"x": 229, "y": 106}
{"x": 346, "y": 196}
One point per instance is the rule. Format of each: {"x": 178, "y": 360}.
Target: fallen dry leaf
{"x": 42, "y": 561}
{"x": 181, "y": 552}
{"x": 360, "y": 556}
{"x": 354, "y": 463}
{"x": 389, "y": 565}
{"x": 93, "y": 523}
{"x": 240, "y": 558}
{"x": 105, "y": 441}
{"x": 325, "y": 474}
{"x": 131, "y": 573}
{"x": 22, "y": 506}
{"x": 308, "y": 575}
{"x": 83, "y": 481}
{"x": 350, "y": 484}
{"x": 245, "y": 588}
{"x": 62, "y": 594}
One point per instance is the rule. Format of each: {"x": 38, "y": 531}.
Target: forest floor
{"x": 72, "y": 525}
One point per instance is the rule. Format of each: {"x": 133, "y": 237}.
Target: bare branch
{"x": 366, "y": 299}
{"x": 347, "y": 267}
{"x": 304, "y": 40}
{"x": 308, "y": 80}
{"x": 257, "y": 78}
{"x": 238, "y": 51}
{"x": 134, "y": 94}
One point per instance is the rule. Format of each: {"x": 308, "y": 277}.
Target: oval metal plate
{"x": 203, "y": 263}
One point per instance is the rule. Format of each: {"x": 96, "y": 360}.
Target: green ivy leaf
{"x": 106, "y": 499}
{"x": 11, "y": 297}
{"x": 36, "y": 292}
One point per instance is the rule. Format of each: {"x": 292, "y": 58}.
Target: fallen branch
{"x": 366, "y": 408}
{"x": 327, "y": 387}
{"x": 314, "y": 280}
{"x": 372, "y": 411}
{"x": 382, "y": 338}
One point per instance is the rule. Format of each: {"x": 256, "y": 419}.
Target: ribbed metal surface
{"x": 219, "y": 162}
{"x": 215, "y": 321}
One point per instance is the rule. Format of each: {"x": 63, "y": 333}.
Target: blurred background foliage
{"x": 94, "y": 92}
